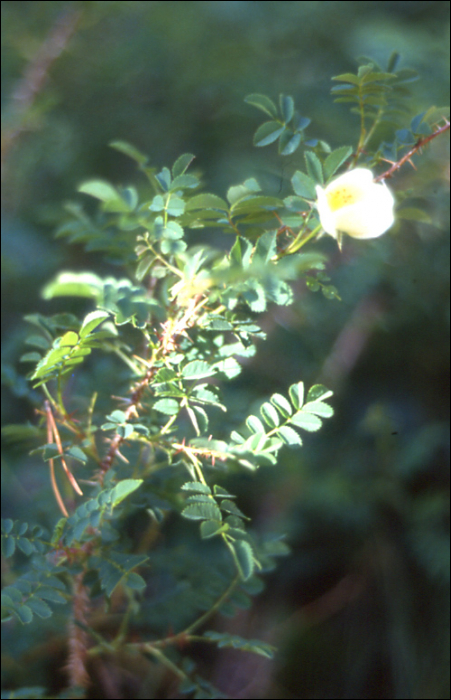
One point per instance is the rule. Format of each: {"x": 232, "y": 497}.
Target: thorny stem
{"x": 419, "y": 144}
{"x": 35, "y": 77}
{"x": 78, "y": 637}
{"x": 173, "y": 329}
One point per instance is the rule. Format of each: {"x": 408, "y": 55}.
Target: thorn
{"x": 122, "y": 399}
{"x": 121, "y": 456}
{"x": 181, "y": 447}
{"x": 141, "y": 360}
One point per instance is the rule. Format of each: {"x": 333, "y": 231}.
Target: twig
{"x": 35, "y": 76}
{"x": 419, "y": 144}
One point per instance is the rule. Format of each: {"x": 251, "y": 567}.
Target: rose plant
{"x": 172, "y": 330}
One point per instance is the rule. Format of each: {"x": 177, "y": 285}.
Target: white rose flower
{"x": 354, "y": 204}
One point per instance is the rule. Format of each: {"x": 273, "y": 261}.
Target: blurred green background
{"x": 361, "y": 607}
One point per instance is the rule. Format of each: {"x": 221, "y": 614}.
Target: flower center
{"x": 342, "y": 197}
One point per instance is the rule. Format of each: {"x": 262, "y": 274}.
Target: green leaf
{"x": 364, "y": 70}
{"x": 435, "y": 114}
{"x": 256, "y": 204}
{"x": 270, "y": 415}
{"x": 244, "y": 558}
{"x": 196, "y": 486}
{"x": 262, "y": 102}
{"x": 236, "y": 437}
{"x": 267, "y": 133}
{"x": 303, "y": 185}
{"x": 375, "y": 76}
{"x": 130, "y": 197}
{"x": 347, "y": 78}
{"x": 135, "y": 581}
{"x": 289, "y": 436}
{"x": 199, "y": 419}
{"x": 184, "y": 181}
{"x": 406, "y": 75}
{"x": 335, "y": 159}
{"x": 237, "y": 525}
{"x": 123, "y": 489}
{"x": 172, "y": 247}
{"x": 8, "y": 546}
{"x": 164, "y": 375}
{"x": 76, "y": 453}
{"x": 255, "y": 425}
{"x": 300, "y": 123}
{"x": 319, "y": 408}
{"x": 182, "y": 164}
{"x": 24, "y": 614}
{"x": 168, "y": 406}
{"x": 230, "y": 507}
{"x": 255, "y": 296}
{"x": 39, "y": 607}
{"x": 198, "y": 369}
{"x": 306, "y": 421}
{"x": 296, "y": 392}
{"x": 318, "y": 392}
{"x": 235, "y": 253}
{"x": 393, "y": 61}
{"x": 314, "y": 167}
{"x": 84, "y": 284}
{"x": 202, "y": 511}
{"x": 129, "y": 151}
{"x": 286, "y": 104}
{"x": 206, "y": 201}
{"x": 7, "y": 525}
{"x": 210, "y": 528}
{"x": 236, "y": 192}
{"x": 164, "y": 179}
{"x": 38, "y": 341}
{"x": 117, "y": 416}
{"x": 51, "y": 594}
{"x": 157, "y": 203}
{"x": 222, "y": 493}
{"x": 198, "y": 498}
{"x": 115, "y": 567}
{"x": 282, "y": 405}
{"x": 254, "y": 646}
{"x": 266, "y": 247}
{"x": 125, "y": 431}
{"x": 100, "y": 189}
{"x": 30, "y": 357}
{"x": 289, "y": 142}
{"x": 25, "y": 596}
{"x": 172, "y": 230}
{"x": 69, "y": 339}
{"x": 175, "y": 207}
{"x": 91, "y": 321}
{"x": 229, "y": 366}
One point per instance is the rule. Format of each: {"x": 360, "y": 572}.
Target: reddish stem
{"x": 419, "y": 144}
